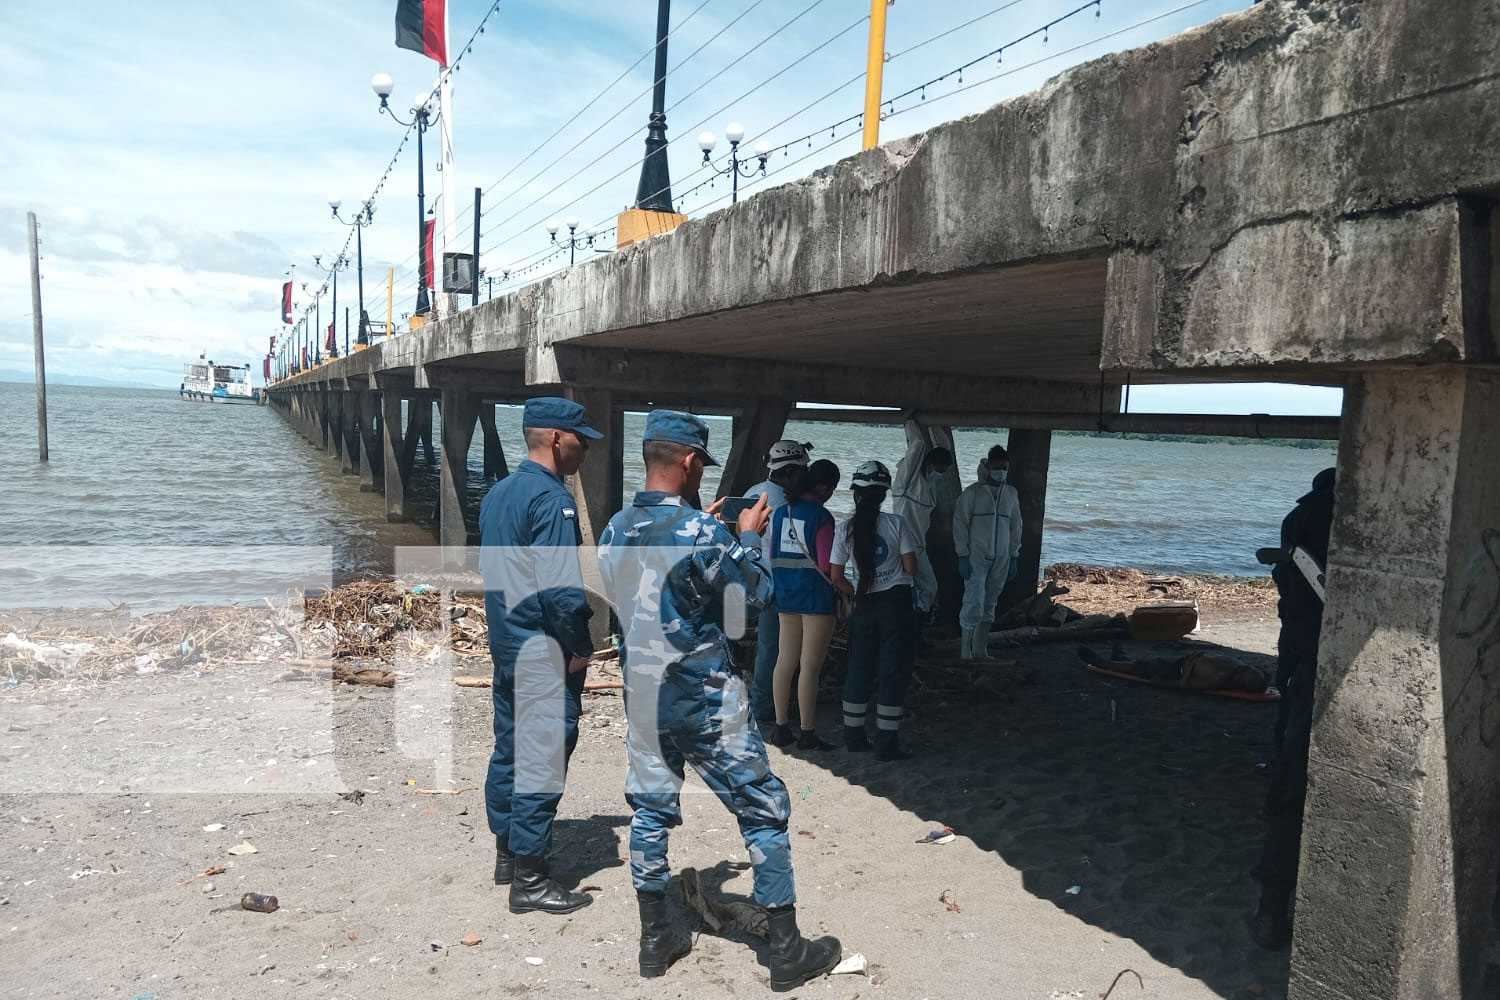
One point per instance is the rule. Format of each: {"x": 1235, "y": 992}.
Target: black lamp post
{"x": 573, "y": 242}
{"x": 341, "y": 264}
{"x": 361, "y": 219}
{"x": 382, "y": 84}
{"x": 737, "y": 168}
{"x": 655, "y": 191}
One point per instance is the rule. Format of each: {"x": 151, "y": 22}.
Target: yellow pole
{"x": 873, "y": 73}
{"x": 390, "y": 298}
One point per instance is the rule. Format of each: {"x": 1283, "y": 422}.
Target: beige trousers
{"x": 804, "y": 644}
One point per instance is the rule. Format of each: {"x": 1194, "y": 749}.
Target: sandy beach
{"x": 1100, "y": 826}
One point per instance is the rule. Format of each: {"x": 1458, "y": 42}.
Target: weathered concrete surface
{"x": 1399, "y": 859}
{"x": 1297, "y": 189}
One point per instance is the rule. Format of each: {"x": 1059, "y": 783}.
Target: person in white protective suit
{"x": 913, "y": 498}
{"x": 987, "y": 539}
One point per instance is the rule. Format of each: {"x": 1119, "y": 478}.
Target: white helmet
{"x": 872, "y": 474}
{"x": 786, "y": 452}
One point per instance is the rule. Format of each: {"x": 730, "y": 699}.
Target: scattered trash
{"x": 949, "y": 899}
{"x": 411, "y": 781}
{"x": 242, "y": 848}
{"x": 942, "y": 836}
{"x": 468, "y": 681}
{"x": 48, "y": 660}
{"x": 438, "y": 791}
{"x": 1073, "y": 890}
{"x": 145, "y": 664}
{"x": 470, "y": 940}
{"x": 208, "y": 887}
{"x": 259, "y": 902}
{"x": 1118, "y": 976}
{"x": 83, "y": 872}
{"x": 421, "y": 588}
{"x": 15, "y": 727}
{"x": 144, "y": 996}
{"x": 213, "y": 828}
{"x": 533, "y": 960}
{"x": 807, "y": 833}
{"x": 356, "y": 796}
{"x": 437, "y": 946}
{"x": 352, "y": 935}
{"x": 854, "y": 964}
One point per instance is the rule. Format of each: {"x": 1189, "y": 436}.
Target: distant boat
{"x": 206, "y": 382}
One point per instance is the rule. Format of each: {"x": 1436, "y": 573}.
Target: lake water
{"x": 156, "y": 502}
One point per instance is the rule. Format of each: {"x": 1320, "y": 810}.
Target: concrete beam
{"x": 640, "y": 372}
{"x": 371, "y": 450}
{"x": 1255, "y": 425}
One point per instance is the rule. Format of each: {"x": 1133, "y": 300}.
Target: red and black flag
{"x": 427, "y": 250}
{"x": 331, "y": 345}
{"x": 266, "y": 367}
{"x": 286, "y": 302}
{"x": 422, "y": 26}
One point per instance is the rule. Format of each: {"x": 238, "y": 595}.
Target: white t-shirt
{"x": 893, "y": 539}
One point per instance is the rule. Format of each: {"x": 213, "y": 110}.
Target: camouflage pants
{"x": 731, "y": 759}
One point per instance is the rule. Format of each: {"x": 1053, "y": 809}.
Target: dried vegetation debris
{"x": 1117, "y": 590}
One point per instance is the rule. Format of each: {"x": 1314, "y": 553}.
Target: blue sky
{"x": 180, "y": 156}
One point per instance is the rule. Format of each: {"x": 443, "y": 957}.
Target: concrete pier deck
{"x": 1301, "y": 192}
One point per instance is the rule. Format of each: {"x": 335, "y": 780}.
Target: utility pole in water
{"x": 36, "y": 328}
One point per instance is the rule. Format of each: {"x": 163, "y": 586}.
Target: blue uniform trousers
{"x": 537, "y": 705}
{"x": 731, "y": 760}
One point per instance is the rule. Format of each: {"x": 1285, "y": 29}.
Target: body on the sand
{"x": 670, "y": 571}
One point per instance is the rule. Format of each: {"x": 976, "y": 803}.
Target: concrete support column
{"x": 333, "y": 422}
{"x": 421, "y": 411}
{"x": 600, "y": 490}
{"x": 369, "y": 441}
{"x": 494, "y": 454}
{"x": 397, "y": 466}
{"x": 418, "y": 415}
{"x": 756, "y": 427}
{"x": 349, "y": 459}
{"x": 1030, "y": 454}
{"x": 1400, "y": 856}
{"x": 459, "y": 411}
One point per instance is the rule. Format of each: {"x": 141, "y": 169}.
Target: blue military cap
{"x": 679, "y": 428}
{"x": 556, "y": 413}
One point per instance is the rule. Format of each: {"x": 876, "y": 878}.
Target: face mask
{"x": 997, "y": 476}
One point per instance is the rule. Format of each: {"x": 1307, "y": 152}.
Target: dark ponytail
{"x": 863, "y": 531}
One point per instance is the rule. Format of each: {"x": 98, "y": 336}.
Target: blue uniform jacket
{"x": 669, "y": 570}
{"x": 529, "y": 538}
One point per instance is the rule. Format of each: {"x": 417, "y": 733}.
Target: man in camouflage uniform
{"x": 674, "y": 573}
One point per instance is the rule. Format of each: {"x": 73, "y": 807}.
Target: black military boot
{"x": 795, "y": 959}
{"x": 855, "y": 739}
{"x": 1271, "y": 927}
{"x": 505, "y": 862}
{"x": 532, "y": 889}
{"x": 660, "y": 945}
{"x": 888, "y": 747}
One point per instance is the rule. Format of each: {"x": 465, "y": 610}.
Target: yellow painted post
{"x": 390, "y": 299}
{"x": 873, "y": 73}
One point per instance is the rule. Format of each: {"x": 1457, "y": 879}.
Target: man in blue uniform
{"x": 539, "y": 641}
{"x": 674, "y": 575}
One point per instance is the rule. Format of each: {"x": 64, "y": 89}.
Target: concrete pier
{"x": 1301, "y": 192}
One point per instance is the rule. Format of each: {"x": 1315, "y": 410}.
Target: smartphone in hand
{"x": 734, "y": 507}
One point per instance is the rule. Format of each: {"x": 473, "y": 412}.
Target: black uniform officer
{"x": 1301, "y": 611}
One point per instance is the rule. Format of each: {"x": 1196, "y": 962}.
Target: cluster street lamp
{"x": 573, "y": 242}
{"x": 361, "y": 219}
{"x": 737, "y": 168}
{"x": 382, "y": 84}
